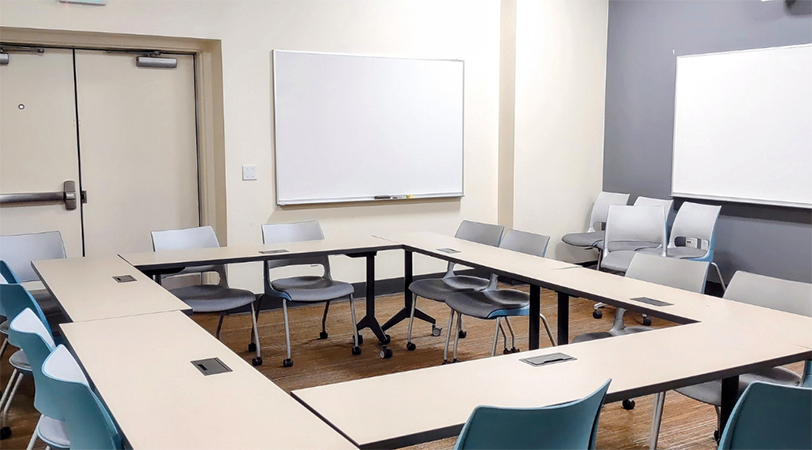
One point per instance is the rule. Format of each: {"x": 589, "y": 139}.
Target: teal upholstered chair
{"x": 571, "y": 425}
{"x": 770, "y": 416}
{"x": 87, "y": 421}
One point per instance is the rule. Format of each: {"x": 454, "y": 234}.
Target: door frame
{"x": 208, "y": 98}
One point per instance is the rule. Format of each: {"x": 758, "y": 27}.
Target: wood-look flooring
{"x": 686, "y": 424}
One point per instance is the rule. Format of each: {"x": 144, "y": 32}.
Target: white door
{"x": 38, "y": 151}
{"x": 138, "y": 148}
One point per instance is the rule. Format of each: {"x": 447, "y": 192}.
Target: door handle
{"x": 67, "y": 196}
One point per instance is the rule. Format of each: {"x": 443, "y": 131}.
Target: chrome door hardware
{"x": 68, "y": 196}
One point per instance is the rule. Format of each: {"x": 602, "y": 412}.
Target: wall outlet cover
{"x": 249, "y": 173}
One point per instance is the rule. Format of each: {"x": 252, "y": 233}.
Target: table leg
{"x": 563, "y": 318}
{"x": 535, "y": 310}
{"x": 369, "y": 320}
{"x": 403, "y": 314}
{"x": 730, "y": 394}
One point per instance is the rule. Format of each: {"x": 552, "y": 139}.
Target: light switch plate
{"x": 249, "y": 173}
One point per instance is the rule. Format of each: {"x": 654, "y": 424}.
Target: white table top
{"x": 86, "y": 289}
{"x": 249, "y": 253}
{"x": 141, "y": 366}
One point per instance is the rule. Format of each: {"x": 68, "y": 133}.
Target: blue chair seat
{"x": 439, "y": 289}
{"x": 53, "y": 432}
{"x": 489, "y": 304}
{"x": 312, "y": 288}
{"x": 711, "y": 392}
{"x": 589, "y": 239}
{"x": 606, "y": 334}
{"x": 213, "y": 298}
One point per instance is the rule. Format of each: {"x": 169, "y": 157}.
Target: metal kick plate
{"x": 211, "y": 366}
{"x": 551, "y": 358}
{"x": 651, "y": 301}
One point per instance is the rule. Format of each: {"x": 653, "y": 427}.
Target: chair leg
{"x": 618, "y": 324}
{"x": 411, "y": 322}
{"x": 7, "y": 391}
{"x": 219, "y": 325}
{"x": 719, "y": 274}
{"x": 33, "y": 439}
{"x": 496, "y": 335}
{"x": 324, "y": 319}
{"x": 287, "y": 328}
{"x": 4, "y": 419}
{"x": 447, "y": 335}
{"x": 356, "y": 349}
{"x": 3, "y": 347}
{"x": 512, "y": 336}
{"x": 547, "y": 327}
{"x": 656, "y": 419}
{"x": 504, "y": 337}
{"x": 255, "y": 310}
{"x": 457, "y": 335}
{"x": 255, "y": 336}
{"x": 717, "y": 434}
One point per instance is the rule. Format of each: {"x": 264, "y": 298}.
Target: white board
{"x": 743, "y": 126}
{"x": 353, "y": 128}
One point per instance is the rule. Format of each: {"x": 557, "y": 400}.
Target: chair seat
{"x": 606, "y": 334}
{"x": 630, "y": 245}
{"x": 678, "y": 252}
{"x": 213, "y": 298}
{"x": 618, "y": 261}
{"x": 711, "y": 392}
{"x": 312, "y": 288}
{"x": 4, "y": 327}
{"x": 583, "y": 239}
{"x": 490, "y": 303}
{"x": 53, "y": 432}
{"x": 439, "y": 289}
{"x": 20, "y": 362}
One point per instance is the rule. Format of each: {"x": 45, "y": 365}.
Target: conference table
{"x": 717, "y": 339}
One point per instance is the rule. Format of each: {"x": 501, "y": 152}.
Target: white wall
{"x": 249, "y": 30}
{"x": 560, "y": 98}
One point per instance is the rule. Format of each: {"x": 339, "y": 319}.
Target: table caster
{"x": 646, "y": 321}
{"x": 435, "y": 330}
{"x": 628, "y": 405}
{"x": 597, "y": 314}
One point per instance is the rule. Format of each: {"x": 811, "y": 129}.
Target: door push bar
{"x": 68, "y": 196}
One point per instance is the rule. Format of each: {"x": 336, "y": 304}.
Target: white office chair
{"x": 629, "y": 228}
{"x": 693, "y": 235}
{"x": 768, "y": 292}
{"x": 207, "y": 298}
{"x": 439, "y": 289}
{"x": 597, "y": 219}
{"x": 305, "y": 289}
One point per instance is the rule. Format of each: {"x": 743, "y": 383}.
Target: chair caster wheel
{"x": 463, "y": 334}
{"x": 410, "y": 346}
{"x": 360, "y": 339}
{"x": 287, "y": 363}
{"x": 436, "y": 331}
{"x": 388, "y": 339}
{"x": 628, "y": 405}
{"x": 514, "y": 350}
{"x": 506, "y": 351}
{"x": 646, "y": 321}
{"x": 5, "y": 433}
{"x": 323, "y": 335}
{"x": 386, "y": 353}
{"x": 597, "y": 314}
{"x": 256, "y": 361}
{"x": 356, "y": 350}
{"x": 716, "y": 436}
{"x": 252, "y": 347}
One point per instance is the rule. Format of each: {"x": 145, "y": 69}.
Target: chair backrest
{"x": 524, "y": 242}
{"x": 481, "y": 233}
{"x": 634, "y": 223}
{"x": 571, "y": 425}
{"x": 19, "y": 250}
{"x": 6, "y": 274}
{"x": 694, "y": 220}
{"x": 87, "y": 421}
{"x": 677, "y": 273}
{"x": 190, "y": 238}
{"x": 770, "y": 416}
{"x": 774, "y": 293}
{"x": 601, "y": 207}
{"x": 648, "y": 201}
{"x": 28, "y": 332}
{"x": 280, "y": 233}
{"x": 15, "y": 298}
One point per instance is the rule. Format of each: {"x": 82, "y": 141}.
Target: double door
{"x": 121, "y": 137}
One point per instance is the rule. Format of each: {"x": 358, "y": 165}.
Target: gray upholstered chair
{"x": 438, "y": 289}
{"x": 305, "y": 289}
{"x": 694, "y": 224}
{"x": 592, "y": 236}
{"x": 768, "y": 292}
{"x": 494, "y": 303}
{"x": 207, "y": 298}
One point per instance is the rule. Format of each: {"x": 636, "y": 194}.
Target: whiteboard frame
{"x": 449, "y": 195}
{"x": 753, "y": 201}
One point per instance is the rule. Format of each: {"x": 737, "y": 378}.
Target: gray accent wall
{"x": 645, "y": 37}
